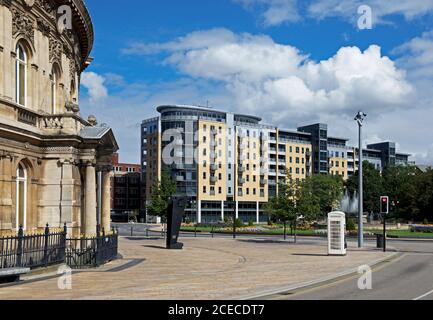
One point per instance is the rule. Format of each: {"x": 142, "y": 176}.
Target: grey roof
{"x": 163, "y": 108}
{"x": 96, "y": 132}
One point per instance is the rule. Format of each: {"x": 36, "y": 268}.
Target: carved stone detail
{"x": 53, "y": 123}
{"x": 44, "y": 27}
{"x": 48, "y": 6}
{"x": 22, "y": 24}
{"x": 56, "y": 50}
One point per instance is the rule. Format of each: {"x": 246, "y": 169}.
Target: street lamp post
{"x": 360, "y": 120}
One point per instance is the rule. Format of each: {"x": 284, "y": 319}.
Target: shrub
{"x": 350, "y": 225}
{"x": 250, "y": 223}
{"x": 239, "y": 223}
{"x": 425, "y": 222}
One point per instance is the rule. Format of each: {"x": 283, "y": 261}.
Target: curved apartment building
{"x": 229, "y": 165}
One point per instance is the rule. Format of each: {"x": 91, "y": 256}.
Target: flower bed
{"x": 422, "y": 228}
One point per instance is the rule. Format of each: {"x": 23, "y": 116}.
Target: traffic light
{"x": 384, "y": 205}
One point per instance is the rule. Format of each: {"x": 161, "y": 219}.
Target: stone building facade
{"x": 53, "y": 163}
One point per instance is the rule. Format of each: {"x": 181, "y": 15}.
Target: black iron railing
{"x": 33, "y": 251}
{"x": 50, "y": 248}
{"x": 92, "y": 252}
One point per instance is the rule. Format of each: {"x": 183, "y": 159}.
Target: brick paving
{"x": 208, "y": 269}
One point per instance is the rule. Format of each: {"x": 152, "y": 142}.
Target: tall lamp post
{"x": 360, "y": 120}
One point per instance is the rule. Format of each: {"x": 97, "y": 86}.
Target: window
{"x": 204, "y": 189}
{"x": 21, "y": 197}
{"x": 21, "y": 76}
{"x": 204, "y": 175}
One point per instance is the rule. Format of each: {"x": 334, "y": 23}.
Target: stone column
{"x": 106, "y": 200}
{"x": 90, "y": 199}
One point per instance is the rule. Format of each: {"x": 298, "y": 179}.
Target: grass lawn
{"x": 279, "y": 231}
{"x": 406, "y": 234}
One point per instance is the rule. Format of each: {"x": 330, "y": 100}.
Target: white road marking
{"x": 423, "y": 296}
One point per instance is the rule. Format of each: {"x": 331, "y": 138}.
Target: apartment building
{"x": 228, "y": 165}
{"x": 125, "y": 190}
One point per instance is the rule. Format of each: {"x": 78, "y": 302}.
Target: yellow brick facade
{"x": 338, "y": 167}
{"x": 251, "y": 169}
{"x": 297, "y": 160}
{"x": 212, "y": 163}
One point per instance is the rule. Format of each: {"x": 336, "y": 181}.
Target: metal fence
{"x": 92, "y": 252}
{"x": 50, "y": 248}
{"x": 33, "y": 251}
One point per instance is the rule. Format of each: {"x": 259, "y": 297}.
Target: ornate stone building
{"x": 51, "y": 159}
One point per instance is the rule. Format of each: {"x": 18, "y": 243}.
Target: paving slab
{"x": 207, "y": 269}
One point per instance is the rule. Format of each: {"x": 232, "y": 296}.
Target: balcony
{"x": 213, "y": 156}
{"x": 213, "y": 144}
{"x": 241, "y": 180}
{"x": 241, "y": 169}
{"x": 241, "y": 158}
{"x": 242, "y": 147}
{"x": 272, "y": 182}
{"x": 212, "y": 193}
{"x": 240, "y": 194}
{"x": 263, "y": 171}
{"x": 264, "y": 137}
{"x": 180, "y": 178}
{"x": 263, "y": 182}
{"x": 214, "y": 132}
{"x": 213, "y": 179}
{"x": 213, "y": 167}
{"x": 264, "y": 147}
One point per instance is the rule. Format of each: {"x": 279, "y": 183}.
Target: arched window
{"x": 21, "y": 75}
{"x": 21, "y": 197}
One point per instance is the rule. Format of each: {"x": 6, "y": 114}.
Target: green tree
{"x": 327, "y": 191}
{"x": 402, "y": 185}
{"x": 373, "y": 187}
{"x": 282, "y": 207}
{"x": 424, "y": 186}
{"x": 308, "y": 202}
{"x": 162, "y": 192}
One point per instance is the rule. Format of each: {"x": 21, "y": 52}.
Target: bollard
{"x": 132, "y": 231}
{"x": 212, "y": 232}
{"x": 147, "y": 232}
{"x": 195, "y": 232}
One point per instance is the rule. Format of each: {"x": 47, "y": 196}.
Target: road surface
{"x": 409, "y": 277}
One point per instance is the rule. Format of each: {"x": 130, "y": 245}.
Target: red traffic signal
{"x": 384, "y": 205}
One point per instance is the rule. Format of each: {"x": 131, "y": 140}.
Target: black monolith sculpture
{"x": 175, "y": 214}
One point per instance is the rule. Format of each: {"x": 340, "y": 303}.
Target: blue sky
{"x": 305, "y": 61}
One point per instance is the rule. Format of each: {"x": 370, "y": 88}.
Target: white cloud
{"x": 418, "y": 55}
{"x": 410, "y": 9}
{"x": 94, "y": 84}
{"x": 259, "y": 73}
{"x": 274, "y": 12}
{"x": 253, "y": 74}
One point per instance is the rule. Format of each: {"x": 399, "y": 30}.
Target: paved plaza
{"x": 208, "y": 269}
